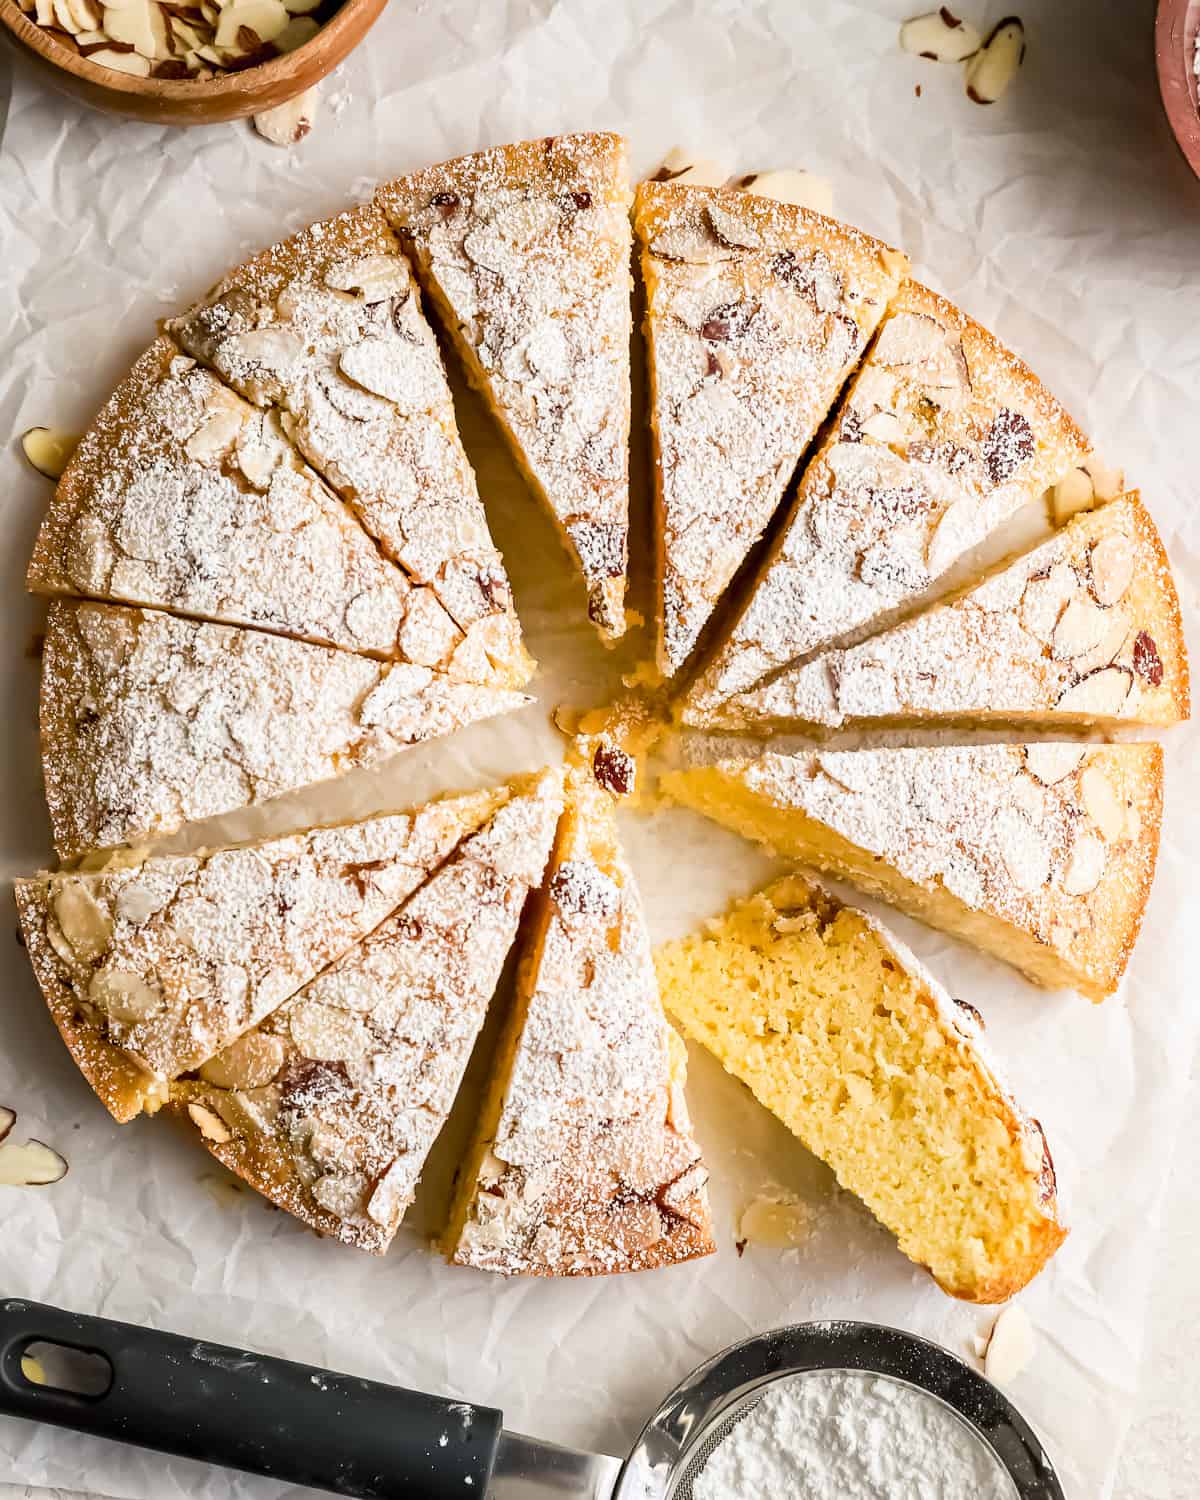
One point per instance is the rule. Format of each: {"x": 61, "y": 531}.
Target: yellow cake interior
{"x": 806, "y": 1002}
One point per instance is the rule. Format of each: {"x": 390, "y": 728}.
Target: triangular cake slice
{"x": 1042, "y": 854}
{"x": 326, "y": 328}
{"x": 183, "y": 496}
{"x": 756, "y": 312}
{"x": 524, "y": 250}
{"x": 584, "y": 1160}
{"x": 149, "y": 721}
{"x": 836, "y": 1028}
{"x": 1083, "y": 632}
{"x": 331, "y": 1105}
{"x": 941, "y": 438}
{"x": 151, "y": 967}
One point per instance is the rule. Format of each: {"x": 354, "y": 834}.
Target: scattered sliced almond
{"x": 290, "y": 121}
{"x": 941, "y": 36}
{"x": 1011, "y": 1346}
{"x": 248, "y": 1063}
{"x": 790, "y": 185}
{"x": 687, "y": 168}
{"x": 995, "y": 65}
{"x": 26, "y": 1163}
{"x": 49, "y": 449}
{"x": 779, "y": 1223}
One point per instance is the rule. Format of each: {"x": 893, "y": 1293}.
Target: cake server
{"x": 359, "y": 1438}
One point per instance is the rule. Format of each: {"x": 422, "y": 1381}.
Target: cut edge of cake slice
{"x": 942, "y": 436}
{"x": 150, "y": 721}
{"x": 183, "y": 496}
{"x": 172, "y": 957}
{"x": 1082, "y": 632}
{"x": 839, "y": 1031}
{"x": 330, "y": 1106}
{"x": 524, "y": 250}
{"x": 1041, "y": 854}
{"x": 756, "y": 314}
{"x": 583, "y": 1161}
{"x": 326, "y": 328}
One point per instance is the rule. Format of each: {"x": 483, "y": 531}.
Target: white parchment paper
{"x": 1064, "y": 219}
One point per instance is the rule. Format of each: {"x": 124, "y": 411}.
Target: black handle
{"x": 247, "y": 1411}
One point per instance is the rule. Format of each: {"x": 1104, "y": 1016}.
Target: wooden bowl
{"x": 204, "y": 101}
{"x": 1175, "y": 49}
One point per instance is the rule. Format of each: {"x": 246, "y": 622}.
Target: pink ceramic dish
{"x": 1175, "y": 49}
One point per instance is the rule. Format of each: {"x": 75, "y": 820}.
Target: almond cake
{"x": 326, "y": 329}
{"x": 1040, "y": 853}
{"x": 330, "y": 1106}
{"x": 1083, "y": 632}
{"x": 183, "y": 496}
{"x": 756, "y": 313}
{"x": 524, "y": 250}
{"x": 151, "y": 966}
{"x": 584, "y": 1161}
{"x": 837, "y": 1029}
{"x": 149, "y": 721}
{"x": 942, "y": 437}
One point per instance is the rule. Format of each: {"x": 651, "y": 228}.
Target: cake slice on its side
{"x": 326, "y": 329}
{"x": 1083, "y": 632}
{"x": 1041, "y": 854}
{"x": 836, "y": 1028}
{"x": 756, "y": 312}
{"x": 331, "y": 1105}
{"x": 149, "y": 721}
{"x": 942, "y": 437}
{"x": 182, "y": 496}
{"x": 524, "y": 250}
{"x": 584, "y": 1161}
{"x": 149, "y": 967}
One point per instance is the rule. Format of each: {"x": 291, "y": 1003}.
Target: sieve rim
{"x": 667, "y": 1443}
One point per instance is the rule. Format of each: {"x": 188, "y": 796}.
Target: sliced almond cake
{"x": 150, "y": 967}
{"x": 183, "y": 496}
{"x": 149, "y": 721}
{"x": 942, "y": 437}
{"x": 1042, "y": 854}
{"x": 331, "y": 1105}
{"x": 1083, "y": 632}
{"x": 326, "y": 329}
{"x": 837, "y": 1029}
{"x": 524, "y": 250}
{"x": 584, "y": 1161}
{"x": 756, "y": 312}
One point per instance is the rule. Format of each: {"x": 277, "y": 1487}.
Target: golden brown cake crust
{"x": 524, "y": 249}
{"x": 757, "y": 311}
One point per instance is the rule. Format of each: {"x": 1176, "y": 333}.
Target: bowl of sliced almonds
{"x": 188, "y": 62}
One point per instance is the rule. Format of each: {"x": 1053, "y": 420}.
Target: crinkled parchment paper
{"x": 1062, "y": 218}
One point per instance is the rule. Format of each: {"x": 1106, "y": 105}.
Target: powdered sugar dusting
{"x": 149, "y": 721}
{"x": 371, "y": 1053}
{"x": 942, "y": 437}
{"x": 528, "y": 247}
{"x": 756, "y": 313}
{"x": 593, "y": 1167}
{"x": 327, "y": 329}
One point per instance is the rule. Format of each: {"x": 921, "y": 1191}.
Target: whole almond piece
{"x": 941, "y": 36}
{"x": 995, "y": 65}
{"x": 290, "y": 121}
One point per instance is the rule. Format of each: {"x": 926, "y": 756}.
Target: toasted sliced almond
{"x": 1110, "y": 564}
{"x": 791, "y": 185}
{"x": 1085, "y": 865}
{"x": 690, "y": 170}
{"x": 1098, "y": 695}
{"x": 995, "y": 65}
{"x": 731, "y": 229}
{"x": 85, "y": 924}
{"x": 49, "y": 449}
{"x": 1101, "y": 803}
{"x": 210, "y": 1125}
{"x": 1080, "y": 628}
{"x": 1024, "y": 849}
{"x": 249, "y": 1063}
{"x": 30, "y": 1164}
{"x": 1070, "y": 495}
{"x": 124, "y": 997}
{"x": 884, "y": 427}
{"x": 941, "y": 36}
{"x": 1052, "y": 763}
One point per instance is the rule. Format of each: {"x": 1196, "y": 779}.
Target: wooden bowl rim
{"x": 1176, "y": 28}
{"x": 225, "y": 86}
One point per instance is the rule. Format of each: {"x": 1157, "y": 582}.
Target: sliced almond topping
{"x": 1024, "y": 849}
{"x": 328, "y": 1034}
{"x": 210, "y": 1125}
{"x": 1098, "y": 695}
{"x": 731, "y": 229}
{"x": 49, "y": 449}
{"x": 1080, "y": 629}
{"x": 995, "y": 65}
{"x": 290, "y": 121}
{"x": 249, "y": 1063}
{"x": 1085, "y": 865}
{"x": 124, "y": 997}
{"x": 884, "y": 427}
{"x": 84, "y": 923}
{"x": 1101, "y": 802}
{"x": 1111, "y": 561}
{"x": 215, "y": 436}
{"x": 1045, "y": 599}
{"x": 941, "y": 36}
{"x": 1052, "y": 763}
